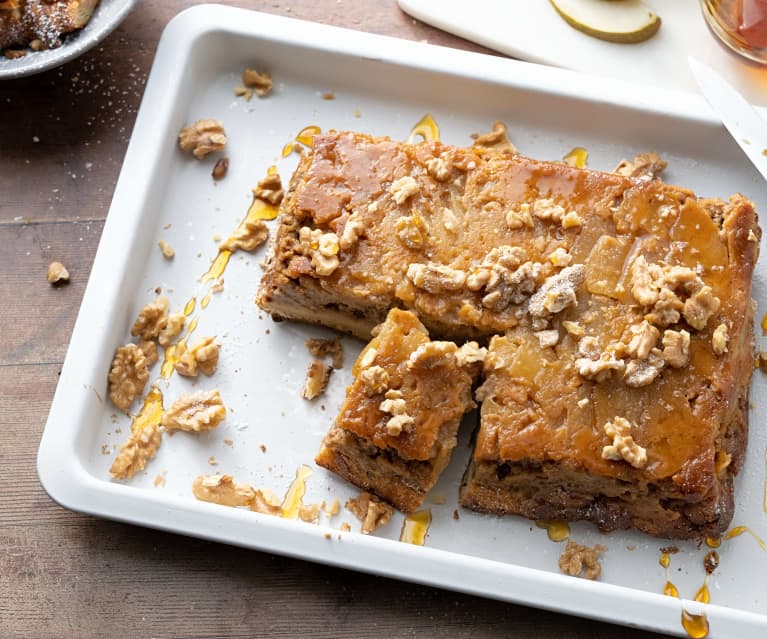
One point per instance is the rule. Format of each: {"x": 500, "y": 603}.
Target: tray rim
{"x": 63, "y": 475}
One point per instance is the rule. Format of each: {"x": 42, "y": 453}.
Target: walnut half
{"x": 136, "y": 452}
{"x": 623, "y": 447}
{"x": 203, "y": 410}
{"x": 202, "y": 137}
{"x": 202, "y": 357}
{"x": 128, "y": 375}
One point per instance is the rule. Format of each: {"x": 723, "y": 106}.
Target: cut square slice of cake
{"x": 629, "y": 408}
{"x": 397, "y": 427}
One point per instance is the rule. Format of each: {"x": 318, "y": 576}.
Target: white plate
{"x": 533, "y": 31}
{"x": 107, "y": 16}
{"x": 382, "y": 86}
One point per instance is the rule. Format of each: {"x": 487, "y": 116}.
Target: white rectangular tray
{"x": 382, "y": 86}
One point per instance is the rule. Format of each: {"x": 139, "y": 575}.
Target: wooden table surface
{"x": 63, "y": 135}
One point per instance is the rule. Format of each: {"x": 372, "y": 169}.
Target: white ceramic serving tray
{"x": 382, "y": 86}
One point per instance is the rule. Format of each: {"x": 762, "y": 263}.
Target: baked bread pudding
{"x": 397, "y": 428}
{"x": 39, "y": 24}
{"x": 616, "y": 307}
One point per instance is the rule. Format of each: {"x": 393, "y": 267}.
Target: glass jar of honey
{"x": 740, "y": 24}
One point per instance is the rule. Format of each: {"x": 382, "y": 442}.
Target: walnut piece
{"x": 269, "y": 189}
{"x": 220, "y": 169}
{"x": 548, "y": 338}
{"x": 152, "y": 319}
{"x": 321, "y": 247}
{"x": 599, "y": 370}
{"x": 560, "y": 257}
{"x": 699, "y": 308}
{"x": 259, "y": 81}
{"x": 395, "y": 405}
{"x": 503, "y": 278}
{"x": 173, "y": 326}
{"x": 436, "y": 278}
{"x": 353, "y": 230}
{"x": 578, "y": 560}
{"x": 431, "y": 354}
{"x": 149, "y": 348}
{"x": 518, "y": 217}
{"x": 202, "y": 357}
{"x": 645, "y": 166}
{"x": 248, "y": 236}
{"x": 497, "y": 139}
{"x": 128, "y": 375}
{"x": 375, "y": 380}
{"x": 440, "y": 168}
{"x": 644, "y": 338}
{"x": 676, "y": 348}
{"x": 623, "y": 447}
{"x": 470, "y": 353}
{"x": 719, "y": 339}
{"x": 136, "y": 452}
{"x": 557, "y": 292}
{"x": 57, "y": 273}
{"x": 317, "y": 377}
{"x": 266, "y": 503}
{"x": 403, "y": 188}
{"x": 166, "y": 249}
{"x": 333, "y": 348}
{"x": 412, "y": 231}
{"x": 200, "y": 411}
{"x": 371, "y": 511}
{"x": 222, "y": 489}
{"x": 642, "y": 372}
{"x": 203, "y": 137}
{"x": 548, "y": 210}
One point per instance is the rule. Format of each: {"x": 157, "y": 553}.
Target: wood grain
{"x": 63, "y": 135}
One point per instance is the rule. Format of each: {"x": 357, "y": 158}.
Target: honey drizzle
{"x": 293, "y": 500}
{"x": 217, "y": 266}
{"x": 739, "y": 530}
{"x": 427, "y": 128}
{"x": 415, "y": 527}
{"x": 696, "y": 626}
{"x": 151, "y": 412}
{"x": 713, "y": 542}
{"x": 174, "y": 352}
{"x": 670, "y": 590}
{"x": 557, "y": 530}
{"x": 306, "y": 135}
{"x": 577, "y": 158}
{"x": 189, "y": 306}
{"x": 205, "y": 300}
{"x": 764, "y": 324}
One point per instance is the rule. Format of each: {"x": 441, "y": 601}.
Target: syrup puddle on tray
{"x": 416, "y": 527}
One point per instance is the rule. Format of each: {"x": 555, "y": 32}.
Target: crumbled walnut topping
{"x": 571, "y": 219}
{"x": 436, "y": 278}
{"x": 431, "y": 354}
{"x": 248, "y": 236}
{"x": 203, "y": 137}
{"x": 173, "y": 326}
{"x": 151, "y": 319}
{"x": 518, "y": 217}
{"x": 395, "y": 405}
{"x": 676, "y": 348}
{"x": 641, "y": 372}
{"x": 371, "y": 511}
{"x": 202, "y": 357}
{"x": 412, "y": 231}
{"x": 332, "y": 348}
{"x": 700, "y": 306}
{"x": 578, "y": 560}
{"x": 222, "y": 490}
{"x": 644, "y": 338}
{"x": 623, "y": 447}
{"x": 449, "y": 220}
{"x": 719, "y": 339}
{"x": 203, "y": 410}
{"x": 599, "y": 370}
{"x": 573, "y": 328}
{"x": 548, "y": 338}
{"x": 128, "y": 375}
{"x": 368, "y": 357}
{"x": 504, "y": 278}
{"x": 149, "y": 348}
{"x": 317, "y": 378}
{"x": 644, "y": 286}
{"x": 220, "y": 169}
{"x": 166, "y": 249}
{"x": 548, "y": 210}
{"x": 560, "y": 257}
{"x": 269, "y": 189}
{"x": 440, "y": 168}
{"x": 374, "y": 380}
{"x": 403, "y": 188}
{"x": 57, "y": 273}
{"x": 645, "y": 166}
{"x": 136, "y": 452}
{"x": 752, "y": 236}
{"x": 310, "y": 513}
{"x": 353, "y": 230}
{"x": 321, "y": 247}
{"x": 470, "y": 353}
{"x": 588, "y": 346}
{"x": 557, "y": 292}
{"x": 497, "y": 139}
{"x": 259, "y": 81}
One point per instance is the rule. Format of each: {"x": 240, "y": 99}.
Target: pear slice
{"x": 624, "y": 21}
